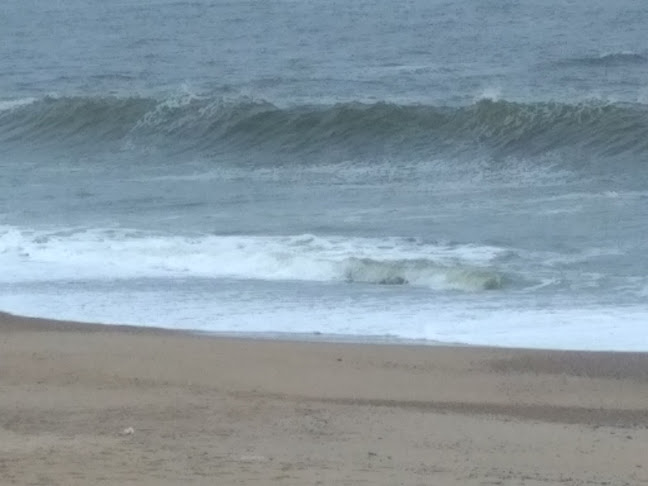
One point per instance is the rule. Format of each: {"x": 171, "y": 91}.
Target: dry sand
{"x": 89, "y": 404}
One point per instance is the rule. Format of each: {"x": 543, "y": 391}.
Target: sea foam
{"x": 112, "y": 254}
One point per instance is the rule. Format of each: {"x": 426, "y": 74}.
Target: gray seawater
{"x": 472, "y": 171}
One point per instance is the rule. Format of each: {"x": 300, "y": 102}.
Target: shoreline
{"x": 9, "y": 320}
{"x": 88, "y": 403}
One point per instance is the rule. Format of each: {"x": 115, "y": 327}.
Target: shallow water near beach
{"x": 470, "y": 173}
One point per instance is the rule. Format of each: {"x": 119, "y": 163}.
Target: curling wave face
{"x": 212, "y": 124}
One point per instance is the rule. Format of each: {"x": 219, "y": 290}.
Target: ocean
{"x": 467, "y": 172}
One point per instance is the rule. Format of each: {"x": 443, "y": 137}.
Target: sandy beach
{"x": 91, "y": 404}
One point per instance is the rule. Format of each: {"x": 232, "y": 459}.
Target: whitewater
{"x": 423, "y": 173}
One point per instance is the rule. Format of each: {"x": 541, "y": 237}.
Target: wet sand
{"x": 90, "y": 404}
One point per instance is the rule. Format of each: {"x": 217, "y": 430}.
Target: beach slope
{"x": 92, "y": 404}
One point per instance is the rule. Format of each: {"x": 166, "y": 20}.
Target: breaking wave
{"x": 421, "y": 272}
{"x": 30, "y": 256}
{"x": 216, "y": 125}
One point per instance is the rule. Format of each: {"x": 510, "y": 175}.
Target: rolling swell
{"x": 68, "y": 121}
{"x": 348, "y": 129}
{"x": 613, "y": 59}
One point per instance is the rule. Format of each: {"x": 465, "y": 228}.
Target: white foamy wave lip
{"x": 492, "y": 93}
{"x": 109, "y": 254}
{"x": 6, "y": 105}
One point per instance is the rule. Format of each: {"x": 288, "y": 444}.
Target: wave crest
{"x": 351, "y": 129}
